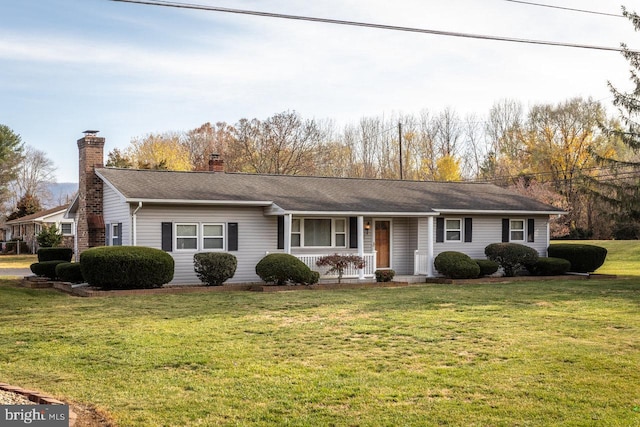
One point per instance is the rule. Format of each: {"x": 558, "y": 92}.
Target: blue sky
{"x": 128, "y": 70}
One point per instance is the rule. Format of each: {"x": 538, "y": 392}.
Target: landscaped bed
{"x": 519, "y": 353}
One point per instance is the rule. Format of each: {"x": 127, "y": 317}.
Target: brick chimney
{"x": 216, "y": 164}
{"x": 90, "y": 223}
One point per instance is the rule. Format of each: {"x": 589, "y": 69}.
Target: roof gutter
{"x": 498, "y": 212}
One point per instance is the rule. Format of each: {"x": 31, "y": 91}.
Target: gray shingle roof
{"x": 318, "y": 194}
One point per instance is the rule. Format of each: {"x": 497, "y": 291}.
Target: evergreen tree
{"x": 620, "y": 186}
{"x": 27, "y": 205}
{"x": 10, "y": 157}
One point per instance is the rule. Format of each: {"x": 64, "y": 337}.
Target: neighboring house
{"x": 394, "y": 224}
{"x": 28, "y": 227}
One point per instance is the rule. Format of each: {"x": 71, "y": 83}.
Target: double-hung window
{"x": 453, "y": 230}
{"x": 319, "y": 232}
{"x": 213, "y": 236}
{"x": 187, "y": 236}
{"x": 206, "y": 237}
{"x": 516, "y": 230}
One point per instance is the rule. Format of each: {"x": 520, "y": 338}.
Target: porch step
{"x": 410, "y": 279}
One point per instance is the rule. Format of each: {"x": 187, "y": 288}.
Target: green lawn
{"x": 17, "y": 261}
{"x": 523, "y": 353}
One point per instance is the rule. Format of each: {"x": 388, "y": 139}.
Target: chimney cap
{"x": 90, "y": 132}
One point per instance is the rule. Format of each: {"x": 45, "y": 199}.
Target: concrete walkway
{"x": 20, "y": 272}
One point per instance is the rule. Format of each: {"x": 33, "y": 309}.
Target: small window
{"x": 116, "y": 234}
{"x": 296, "y": 233}
{"x": 213, "y": 236}
{"x": 517, "y": 230}
{"x": 340, "y": 234}
{"x": 187, "y": 236}
{"x": 66, "y": 228}
{"x": 453, "y": 230}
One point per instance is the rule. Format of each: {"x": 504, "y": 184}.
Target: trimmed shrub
{"x": 55, "y": 254}
{"x": 384, "y": 275}
{"x": 549, "y": 266}
{"x": 456, "y": 265}
{"x": 583, "y": 258}
{"x": 511, "y": 256}
{"x": 46, "y": 268}
{"x": 126, "y": 267}
{"x": 339, "y": 263}
{"x": 214, "y": 268}
{"x": 487, "y": 267}
{"x": 69, "y": 272}
{"x": 282, "y": 268}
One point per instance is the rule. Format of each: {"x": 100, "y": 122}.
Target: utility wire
{"x": 565, "y": 8}
{"x": 369, "y": 25}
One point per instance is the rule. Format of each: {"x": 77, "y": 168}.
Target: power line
{"x": 565, "y": 8}
{"x": 369, "y": 25}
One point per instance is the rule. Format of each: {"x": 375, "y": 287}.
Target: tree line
{"x": 571, "y": 154}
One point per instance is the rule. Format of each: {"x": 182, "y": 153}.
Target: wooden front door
{"x": 383, "y": 244}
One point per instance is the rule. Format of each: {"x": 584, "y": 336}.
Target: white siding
{"x": 404, "y": 234}
{"x": 257, "y": 235}
{"x": 486, "y": 230}
{"x": 115, "y": 210}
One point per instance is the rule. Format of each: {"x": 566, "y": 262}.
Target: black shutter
{"x": 439, "y": 230}
{"x": 353, "y": 232}
{"x": 531, "y": 229}
{"x": 232, "y": 236}
{"x": 280, "y": 232}
{"x": 167, "y": 236}
{"x": 505, "y": 229}
{"x": 468, "y": 229}
{"x": 107, "y": 235}
{"x": 119, "y": 236}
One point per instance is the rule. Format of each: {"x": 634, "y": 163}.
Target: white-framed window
{"x": 452, "y": 230}
{"x": 340, "y": 233}
{"x": 296, "y": 232}
{"x": 516, "y": 230}
{"x": 319, "y": 232}
{"x": 187, "y": 237}
{"x": 116, "y": 234}
{"x": 213, "y": 237}
{"x": 66, "y": 228}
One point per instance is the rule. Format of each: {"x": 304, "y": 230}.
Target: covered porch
{"x": 401, "y": 242}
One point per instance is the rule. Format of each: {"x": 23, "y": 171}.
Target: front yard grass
{"x": 17, "y": 261}
{"x": 519, "y": 353}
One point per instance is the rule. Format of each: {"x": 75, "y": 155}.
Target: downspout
{"x": 134, "y": 223}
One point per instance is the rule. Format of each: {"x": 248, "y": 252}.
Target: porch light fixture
{"x": 367, "y": 227}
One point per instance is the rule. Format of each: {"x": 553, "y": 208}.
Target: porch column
{"x": 287, "y": 234}
{"x": 361, "y": 244}
{"x": 430, "y": 247}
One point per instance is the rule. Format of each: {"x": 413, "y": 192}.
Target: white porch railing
{"x": 421, "y": 262}
{"x": 369, "y": 265}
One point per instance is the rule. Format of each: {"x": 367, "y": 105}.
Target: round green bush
{"x": 549, "y": 266}
{"x": 487, "y": 267}
{"x": 55, "y": 254}
{"x": 583, "y": 258}
{"x": 126, "y": 267}
{"x": 46, "y": 268}
{"x": 69, "y": 272}
{"x": 511, "y": 256}
{"x": 214, "y": 268}
{"x": 384, "y": 275}
{"x": 282, "y": 268}
{"x": 456, "y": 265}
